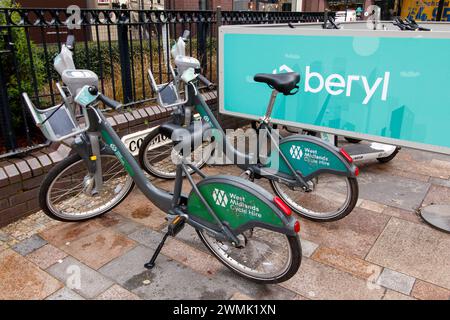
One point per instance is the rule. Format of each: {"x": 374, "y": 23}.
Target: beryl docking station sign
{"x": 389, "y": 86}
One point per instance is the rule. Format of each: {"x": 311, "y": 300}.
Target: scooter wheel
{"x": 389, "y": 158}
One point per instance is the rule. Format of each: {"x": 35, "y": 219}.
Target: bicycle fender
{"x": 311, "y": 156}
{"x": 238, "y": 203}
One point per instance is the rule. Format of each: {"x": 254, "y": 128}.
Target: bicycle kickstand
{"x": 173, "y": 229}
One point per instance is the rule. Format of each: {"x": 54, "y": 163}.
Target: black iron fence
{"x": 119, "y": 45}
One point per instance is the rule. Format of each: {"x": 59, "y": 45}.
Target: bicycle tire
{"x": 56, "y": 172}
{"x": 154, "y": 170}
{"x": 295, "y": 261}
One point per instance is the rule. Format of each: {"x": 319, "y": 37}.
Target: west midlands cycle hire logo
{"x": 296, "y": 152}
{"x": 236, "y": 203}
{"x": 336, "y": 84}
{"x": 220, "y": 197}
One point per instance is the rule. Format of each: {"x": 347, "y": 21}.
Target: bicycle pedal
{"x": 176, "y": 225}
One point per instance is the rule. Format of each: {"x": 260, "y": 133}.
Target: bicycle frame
{"x": 292, "y": 177}
{"x": 172, "y": 203}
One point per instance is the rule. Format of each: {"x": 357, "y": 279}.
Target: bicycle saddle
{"x": 178, "y": 134}
{"x": 282, "y": 82}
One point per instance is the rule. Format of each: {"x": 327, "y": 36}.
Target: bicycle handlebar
{"x": 70, "y": 42}
{"x": 206, "y": 82}
{"x": 107, "y": 101}
{"x": 110, "y": 102}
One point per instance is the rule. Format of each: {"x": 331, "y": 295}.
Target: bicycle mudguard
{"x": 239, "y": 204}
{"x": 311, "y": 156}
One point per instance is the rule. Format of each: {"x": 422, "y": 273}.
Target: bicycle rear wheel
{"x": 267, "y": 257}
{"x": 332, "y": 198}
{"x": 64, "y": 194}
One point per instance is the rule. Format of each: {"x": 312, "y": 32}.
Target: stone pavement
{"x": 382, "y": 250}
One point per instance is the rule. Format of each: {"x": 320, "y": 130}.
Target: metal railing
{"x": 119, "y": 45}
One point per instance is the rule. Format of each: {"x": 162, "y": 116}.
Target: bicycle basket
{"x": 56, "y": 123}
{"x": 167, "y": 93}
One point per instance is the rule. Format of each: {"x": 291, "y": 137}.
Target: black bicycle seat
{"x": 191, "y": 134}
{"x": 282, "y": 82}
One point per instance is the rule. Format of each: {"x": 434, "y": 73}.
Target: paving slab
{"x": 317, "y": 281}
{"x": 392, "y": 190}
{"x": 440, "y": 182}
{"x": 415, "y": 250}
{"x": 240, "y": 296}
{"x": 422, "y": 156}
{"x": 197, "y": 260}
{"x": 128, "y": 265}
{"x": 80, "y": 278}
{"x": 167, "y": 280}
{"x": 394, "y": 295}
{"x": 67, "y": 232}
{"x": 419, "y": 167}
{"x": 65, "y": 294}
{"x": 147, "y": 237}
{"x": 99, "y": 248}
{"x": 22, "y": 280}
{"x": 437, "y": 195}
{"x": 426, "y": 291}
{"x": 396, "y": 281}
{"x": 29, "y": 245}
{"x": 348, "y": 263}
{"x": 189, "y": 236}
{"x": 229, "y": 279}
{"x": 411, "y": 216}
{"x": 308, "y": 247}
{"x": 116, "y": 292}
{"x": 127, "y": 226}
{"x": 46, "y": 256}
{"x": 372, "y": 206}
{"x": 355, "y": 234}
{"x": 139, "y": 209}
{"x": 395, "y": 171}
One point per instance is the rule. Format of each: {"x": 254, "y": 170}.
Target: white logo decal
{"x": 296, "y": 152}
{"x": 283, "y": 68}
{"x": 336, "y": 84}
{"x": 220, "y": 197}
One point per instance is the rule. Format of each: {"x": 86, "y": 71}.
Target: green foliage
{"x": 20, "y": 72}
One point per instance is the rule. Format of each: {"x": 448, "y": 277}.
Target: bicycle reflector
{"x": 346, "y": 155}
{"x": 282, "y": 206}
{"x": 297, "y": 226}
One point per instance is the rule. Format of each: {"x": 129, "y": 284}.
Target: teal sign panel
{"x": 386, "y": 89}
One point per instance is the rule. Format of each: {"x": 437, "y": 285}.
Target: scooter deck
{"x": 369, "y": 151}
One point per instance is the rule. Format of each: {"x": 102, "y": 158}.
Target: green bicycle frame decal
{"x": 204, "y": 115}
{"x": 306, "y": 157}
{"x": 119, "y": 156}
{"x": 232, "y": 205}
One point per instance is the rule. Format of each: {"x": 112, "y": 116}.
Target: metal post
{"x": 440, "y": 10}
{"x": 218, "y": 23}
{"x": 346, "y": 10}
{"x": 5, "y": 114}
{"x": 122, "y": 30}
{"x": 325, "y": 19}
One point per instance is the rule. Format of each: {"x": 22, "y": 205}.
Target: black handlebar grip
{"x": 70, "y": 42}
{"x": 206, "y": 82}
{"x": 109, "y": 102}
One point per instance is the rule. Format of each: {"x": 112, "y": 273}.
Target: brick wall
{"x": 21, "y": 177}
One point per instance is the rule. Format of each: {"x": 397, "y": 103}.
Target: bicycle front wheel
{"x": 155, "y": 156}
{"x": 332, "y": 197}
{"x": 66, "y": 194}
{"x": 267, "y": 256}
